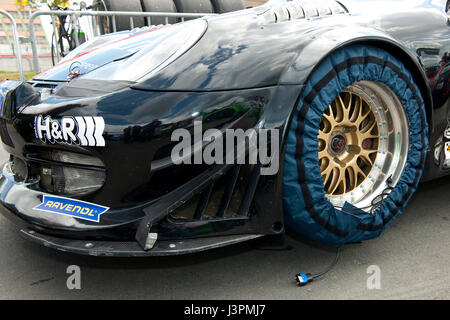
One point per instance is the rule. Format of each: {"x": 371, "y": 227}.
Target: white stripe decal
{"x": 81, "y": 131}
{"x": 98, "y": 134}
{"x": 90, "y": 127}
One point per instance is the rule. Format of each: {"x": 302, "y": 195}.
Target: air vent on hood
{"x": 40, "y": 85}
{"x": 300, "y": 9}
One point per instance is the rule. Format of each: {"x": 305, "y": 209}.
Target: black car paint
{"x": 252, "y": 58}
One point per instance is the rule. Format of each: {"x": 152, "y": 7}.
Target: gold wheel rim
{"x": 348, "y": 143}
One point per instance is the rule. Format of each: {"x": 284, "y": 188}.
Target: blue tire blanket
{"x": 306, "y": 207}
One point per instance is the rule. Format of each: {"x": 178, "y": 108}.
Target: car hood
{"x": 126, "y": 56}
{"x": 239, "y": 50}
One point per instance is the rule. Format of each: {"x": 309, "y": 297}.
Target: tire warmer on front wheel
{"x": 307, "y": 209}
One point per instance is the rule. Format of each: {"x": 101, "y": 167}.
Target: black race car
{"x": 352, "y": 98}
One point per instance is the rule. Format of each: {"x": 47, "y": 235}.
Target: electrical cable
{"x": 305, "y": 278}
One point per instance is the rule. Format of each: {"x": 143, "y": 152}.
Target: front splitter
{"x": 132, "y": 248}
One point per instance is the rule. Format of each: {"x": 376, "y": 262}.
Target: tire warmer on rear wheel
{"x": 307, "y": 209}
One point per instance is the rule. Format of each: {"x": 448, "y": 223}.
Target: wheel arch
{"x": 317, "y": 50}
{"x": 413, "y": 65}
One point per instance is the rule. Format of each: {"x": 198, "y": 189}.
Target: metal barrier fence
{"x": 75, "y": 15}
{"x": 17, "y": 49}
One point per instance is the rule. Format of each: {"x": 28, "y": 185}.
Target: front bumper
{"x": 127, "y": 238}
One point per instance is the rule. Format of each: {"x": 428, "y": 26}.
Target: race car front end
{"x": 90, "y": 176}
{"x": 92, "y": 140}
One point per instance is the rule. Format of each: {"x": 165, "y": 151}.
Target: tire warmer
{"x": 307, "y": 210}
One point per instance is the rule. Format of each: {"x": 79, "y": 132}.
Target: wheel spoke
{"x": 356, "y": 110}
{"x": 328, "y": 115}
{"x": 342, "y": 107}
{"x": 338, "y": 111}
{"x": 366, "y": 159}
{"x": 359, "y": 172}
{"x": 326, "y": 173}
{"x": 368, "y": 135}
{"x": 369, "y": 126}
{"x": 366, "y": 155}
{"x": 323, "y": 154}
{"x": 335, "y": 180}
{"x": 324, "y": 137}
{"x": 352, "y": 178}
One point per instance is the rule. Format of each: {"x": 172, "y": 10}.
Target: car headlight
{"x": 72, "y": 173}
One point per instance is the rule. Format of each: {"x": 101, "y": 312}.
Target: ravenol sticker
{"x": 71, "y": 207}
{"x": 83, "y": 131}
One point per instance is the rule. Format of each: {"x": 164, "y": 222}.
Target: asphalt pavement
{"x": 412, "y": 257}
